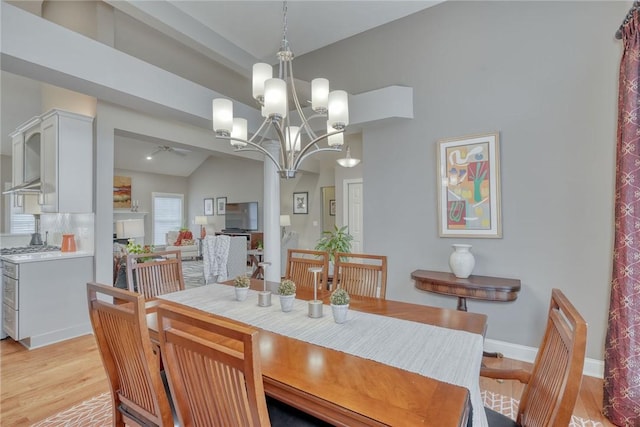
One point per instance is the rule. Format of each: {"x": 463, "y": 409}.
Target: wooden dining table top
{"x": 348, "y": 390}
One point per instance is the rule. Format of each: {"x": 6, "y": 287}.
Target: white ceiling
{"x": 235, "y": 33}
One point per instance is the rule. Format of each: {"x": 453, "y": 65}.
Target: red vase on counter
{"x": 68, "y": 243}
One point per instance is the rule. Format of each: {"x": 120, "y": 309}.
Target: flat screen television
{"x": 241, "y": 216}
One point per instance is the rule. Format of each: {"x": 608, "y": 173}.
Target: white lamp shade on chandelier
{"x": 273, "y": 96}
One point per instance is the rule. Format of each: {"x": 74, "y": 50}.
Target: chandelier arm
{"x": 294, "y": 94}
{"x": 264, "y": 123}
{"x": 281, "y": 138}
{"x": 255, "y": 147}
{"x": 300, "y": 159}
{"x": 316, "y": 140}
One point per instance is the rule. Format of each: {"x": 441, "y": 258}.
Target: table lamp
{"x": 202, "y": 221}
{"x": 285, "y": 221}
{"x": 315, "y": 306}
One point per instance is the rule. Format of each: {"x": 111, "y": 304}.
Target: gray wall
{"x": 543, "y": 74}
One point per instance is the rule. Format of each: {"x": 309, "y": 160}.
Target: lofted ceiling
{"x": 233, "y": 33}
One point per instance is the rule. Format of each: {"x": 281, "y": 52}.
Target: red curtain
{"x": 622, "y": 347}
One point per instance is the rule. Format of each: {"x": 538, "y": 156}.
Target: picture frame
{"x": 469, "y": 186}
{"x": 301, "y": 203}
{"x": 332, "y": 207}
{"x": 208, "y": 206}
{"x": 221, "y": 205}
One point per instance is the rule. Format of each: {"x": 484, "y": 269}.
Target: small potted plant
{"x": 340, "y": 305}
{"x": 241, "y": 284}
{"x": 287, "y": 292}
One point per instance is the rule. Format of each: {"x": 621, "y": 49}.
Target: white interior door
{"x": 353, "y": 212}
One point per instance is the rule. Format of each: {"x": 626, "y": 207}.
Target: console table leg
{"x": 496, "y": 354}
{"x": 462, "y": 304}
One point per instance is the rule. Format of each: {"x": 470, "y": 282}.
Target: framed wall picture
{"x": 121, "y": 192}
{"x": 208, "y": 206}
{"x": 301, "y": 203}
{"x": 221, "y": 205}
{"x": 469, "y": 186}
{"x": 332, "y": 207}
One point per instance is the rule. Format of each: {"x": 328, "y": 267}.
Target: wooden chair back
{"x": 551, "y": 393}
{"x": 196, "y": 346}
{"x": 137, "y": 392}
{"x": 361, "y": 274}
{"x": 155, "y": 276}
{"x": 298, "y": 263}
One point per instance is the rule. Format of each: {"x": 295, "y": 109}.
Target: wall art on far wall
{"x": 469, "y": 186}
{"x": 301, "y": 203}
{"x": 208, "y": 206}
{"x": 221, "y": 205}
{"x": 121, "y": 192}
{"x": 332, "y": 207}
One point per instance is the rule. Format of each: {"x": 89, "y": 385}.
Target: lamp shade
{"x": 285, "y": 220}
{"x": 261, "y": 72}
{"x": 201, "y": 220}
{"x": 129, "y": 228}
{"x": 334, "y": 140}
{"x": 338, "y": 109}
{"x": 348, "y": 162}
{"x": 222, "y": 115}
{"x": 275, "y": 98}
{"x": 239, "y": 131}
{"x": 319, "y": 95}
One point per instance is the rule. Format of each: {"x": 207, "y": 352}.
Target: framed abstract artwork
{"x": 469, "y": 186}
{"x": 208, "y": 206}
{"x": 301, "y": 203}
{"x": 221, "y": 205}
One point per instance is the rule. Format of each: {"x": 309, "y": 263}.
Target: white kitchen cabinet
{"x": 46, "y": 301}
{"x": 66, "y": 162}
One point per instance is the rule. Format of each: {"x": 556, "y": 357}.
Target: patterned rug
{"x": 96, "y": 412}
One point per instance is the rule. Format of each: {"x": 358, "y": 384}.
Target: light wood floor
{"x": 38, "y": 383}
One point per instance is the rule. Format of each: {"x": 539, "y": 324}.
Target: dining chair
{"x": 138, "y": 393}
{"x": 214, "y": 373}
{"x": 298, "y": 263}
{"x": 158, "y": 274}
{"x": 361, "y": 274}
{"x": 551, "y": 388}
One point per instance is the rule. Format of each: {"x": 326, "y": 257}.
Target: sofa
{"x": 188, "y": 248}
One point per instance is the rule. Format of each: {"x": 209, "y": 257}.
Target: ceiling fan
{"x": 166, "y": 149}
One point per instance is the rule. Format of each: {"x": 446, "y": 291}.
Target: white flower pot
{"x": 286, "y": 302}
{"x": 241, "y": 293}
{"x": 462, "y": 261}
{"x": 340, "y": 312}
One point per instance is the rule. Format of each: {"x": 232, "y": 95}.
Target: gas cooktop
{"x": 28, "y": 250}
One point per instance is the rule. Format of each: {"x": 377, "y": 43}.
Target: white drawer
{"x": 10, "y": 292}
{"x": 11, "y": 269}
{"x": 10, "y": 322}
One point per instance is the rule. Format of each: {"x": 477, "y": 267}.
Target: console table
{"x": 475, "y": 287}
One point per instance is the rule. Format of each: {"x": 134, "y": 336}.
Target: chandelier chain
{"x": 285, "y": 41}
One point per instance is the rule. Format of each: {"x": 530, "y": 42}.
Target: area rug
{"x": 96, "y": 412}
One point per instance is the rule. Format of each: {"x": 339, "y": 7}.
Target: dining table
{"x": 391, "y": 363}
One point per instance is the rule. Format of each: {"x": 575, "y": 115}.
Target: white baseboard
{"x": 592, "y": 367}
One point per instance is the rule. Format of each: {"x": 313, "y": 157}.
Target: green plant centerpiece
{"x": 338, "y": 240}
{"x": 287, "y": 292}
{"x": 241, "y": 284}
{"x": 340, "y": 297}
{"x": 340, "y": 305}
{"x": 287, "y": 287}
{"x": 242, "y": 281}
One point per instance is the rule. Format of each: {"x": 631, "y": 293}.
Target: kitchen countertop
{"x": 44, "y": 256}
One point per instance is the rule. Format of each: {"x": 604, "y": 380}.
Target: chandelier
{"x": 296, "y": 142}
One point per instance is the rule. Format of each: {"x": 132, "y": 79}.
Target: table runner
{"x": 447, "y": 355}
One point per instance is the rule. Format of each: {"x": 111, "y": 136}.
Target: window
{"x": 167, "y": 215}
{"x": 19, "y": 223}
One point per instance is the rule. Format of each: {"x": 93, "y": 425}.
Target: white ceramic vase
{"x": 340, "y": 312}
{"x": 461, "y": 261}
{"x": 286, "y": 302}
{"x": 241, "y": 293}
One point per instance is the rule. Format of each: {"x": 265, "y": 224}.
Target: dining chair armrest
{"x": 506, "y": 374}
